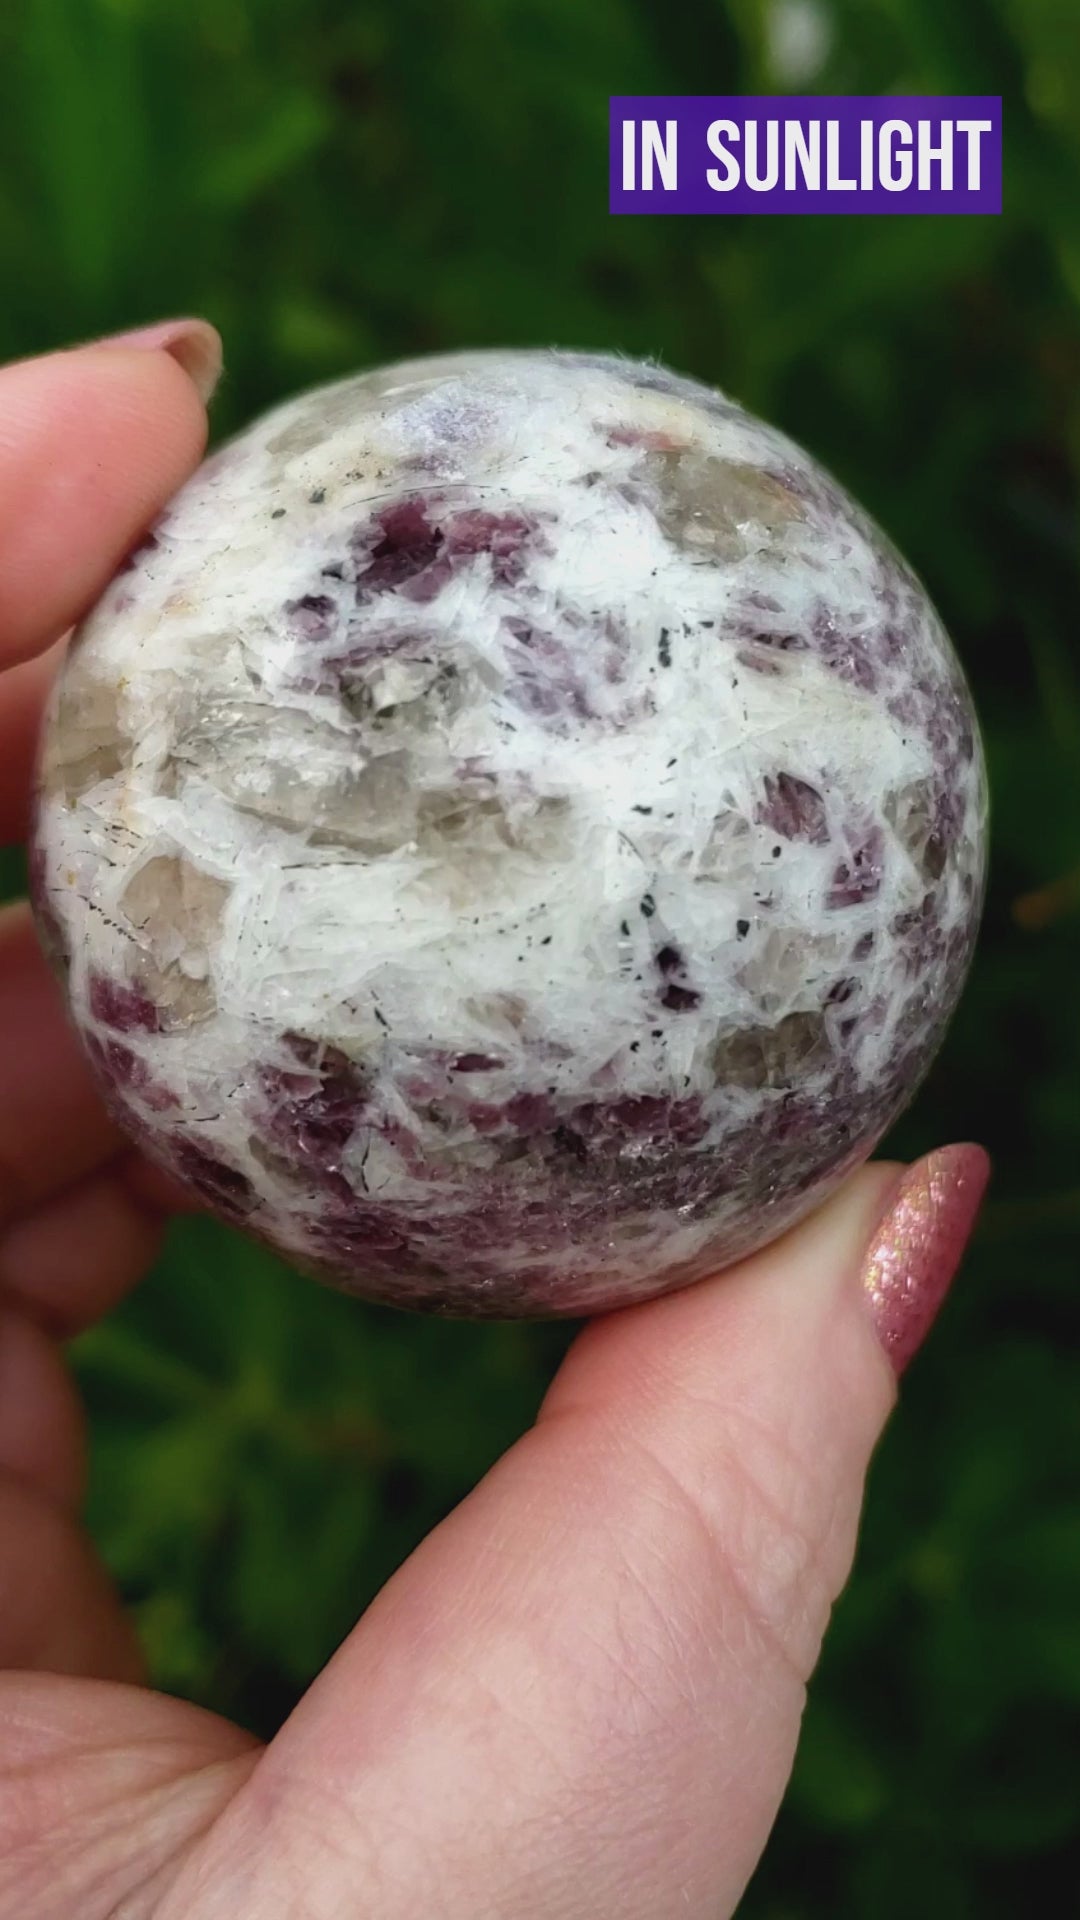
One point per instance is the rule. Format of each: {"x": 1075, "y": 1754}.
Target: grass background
{"x": 338, "y": 183}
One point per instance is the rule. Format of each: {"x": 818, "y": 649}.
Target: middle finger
{"x": 53, "y": 1129}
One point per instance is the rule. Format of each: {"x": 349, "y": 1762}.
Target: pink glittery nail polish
{"x": 918, "y": 1245}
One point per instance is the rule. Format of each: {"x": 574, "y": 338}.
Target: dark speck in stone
{"x": 680, "y": 999}
{"x": 278, "y": 513}
{"x": 316, "y": 499}
{"x": 146, "y": 545}
{"x": 571, "y": 1142}
{"x": 648, "y": 905}
{"x": 742, "y": 928}
{"x": 312, "y": 615}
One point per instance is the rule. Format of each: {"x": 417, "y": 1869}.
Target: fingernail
{"x": 918, "y": 1246}
{"x": 194, "y": 344}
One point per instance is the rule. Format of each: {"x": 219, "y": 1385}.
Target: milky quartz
{"x": 513, "y": 833}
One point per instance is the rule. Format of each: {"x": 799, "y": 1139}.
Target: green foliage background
{"x": 338, "y": 183}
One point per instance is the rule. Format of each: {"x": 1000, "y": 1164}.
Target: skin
{"x": 580, "y": 1697}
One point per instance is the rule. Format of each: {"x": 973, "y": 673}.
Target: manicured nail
{"x": 918, "y": 1246}
{"x": 194, "y": 344}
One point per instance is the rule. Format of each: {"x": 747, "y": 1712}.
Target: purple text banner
{"x": 805, "y": 153}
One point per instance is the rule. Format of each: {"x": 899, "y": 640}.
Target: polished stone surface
{"x": 513, "y": 832}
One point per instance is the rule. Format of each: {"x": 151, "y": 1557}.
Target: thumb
{"x": 581, "y": 1696}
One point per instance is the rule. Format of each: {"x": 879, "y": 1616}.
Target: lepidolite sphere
{"x": 513, "y": 833}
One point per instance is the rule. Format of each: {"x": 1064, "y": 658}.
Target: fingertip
{"x": 76, "y": 1255}
{"x": 53, "y": 1130}
{"x": 127, "y": 388}
{"x": 918, "y": 1245}
{"x": 759, "y": 1313}
{"x": 93, "y": 443}
{"x": 193, "y": 343}
{"x": 154, "y": 1190}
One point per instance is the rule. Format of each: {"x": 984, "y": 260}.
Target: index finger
{"x": 92, "y": 444}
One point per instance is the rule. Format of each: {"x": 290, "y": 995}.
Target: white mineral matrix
{"x": 513, "y": 833}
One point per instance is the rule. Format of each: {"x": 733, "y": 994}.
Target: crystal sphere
{"x": 513, "y": 833}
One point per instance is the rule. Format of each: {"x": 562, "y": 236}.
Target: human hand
{"x": 579, "y": 1699}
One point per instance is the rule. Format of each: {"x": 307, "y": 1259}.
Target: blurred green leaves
{"x": 82, "y": 101}
{"x": 335, "y": 184}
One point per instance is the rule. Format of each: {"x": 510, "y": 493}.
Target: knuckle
{"x": 758, "y": 1533}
